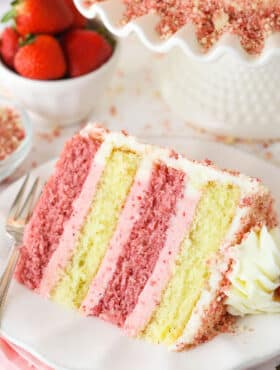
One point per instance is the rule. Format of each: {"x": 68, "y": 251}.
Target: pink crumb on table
{"x": 54, "y": 209}
{"x": 268, "y": 155}
{"x": 138, "y": 259}
{"x": 113, "y": 110}
{"x": 49, "y": 136}
{"x": 11, "y": 132}
{"x": 34, "y": 164}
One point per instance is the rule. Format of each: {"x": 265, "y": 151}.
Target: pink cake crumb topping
{"x": 138, "y": 260}
{"x": 251, "y": 20}
{"x": 54, "y": 209}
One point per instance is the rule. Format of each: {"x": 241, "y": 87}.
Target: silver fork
{"x": 18, "y": 217}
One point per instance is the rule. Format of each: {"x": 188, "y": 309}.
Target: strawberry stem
{"x": 28, "y": 39}
{"x": 9, "y": 16}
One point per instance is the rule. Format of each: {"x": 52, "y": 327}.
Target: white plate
{"x": 111, "y": 13}
{"x": 66, "y": 341}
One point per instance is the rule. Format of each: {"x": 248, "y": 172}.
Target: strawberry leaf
{"x": 9, "y": 16}
{"x": 28, "y": 39}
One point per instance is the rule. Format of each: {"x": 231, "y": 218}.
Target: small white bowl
{"x": 61, "y": 102}
{"x": 12, "y": 162}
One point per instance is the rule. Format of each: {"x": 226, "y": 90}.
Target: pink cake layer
{"x": 64, "y": 252}
{"x": 54, "y": 209}
{"x": 151, "y": 294}
{"x": 138, "y": 259}
{"x": 130, "y": 214}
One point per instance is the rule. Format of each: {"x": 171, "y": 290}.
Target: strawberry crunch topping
{"x": 252, "y": 20}
{"x": 11, "y": 132}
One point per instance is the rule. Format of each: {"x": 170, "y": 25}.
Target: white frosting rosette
{"x": 256, "y": 274}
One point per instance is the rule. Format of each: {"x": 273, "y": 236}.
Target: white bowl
{"x": 111, "y": 13}
{"x": 13, "y": 161}
{"x": 62, "y": 102}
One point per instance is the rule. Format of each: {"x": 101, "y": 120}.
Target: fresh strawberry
{"x": 9, "y": 45}
{"x": 79, "y": 20}
{"x": 40, "y": 16}
{"x": 41, "y": 59}
{"x": 85, "y": 51}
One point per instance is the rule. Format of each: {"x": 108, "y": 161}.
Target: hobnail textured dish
{"x": 226, "y": 90}
{"x": 111, "y": 13}
{"x": 225, "y": 97}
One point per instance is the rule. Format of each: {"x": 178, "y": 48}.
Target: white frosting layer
{"x": 199, "y": 173}
{"x": 256, "y": 274}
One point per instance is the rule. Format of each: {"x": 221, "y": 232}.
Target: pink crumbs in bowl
{"x": 11, "y": 131}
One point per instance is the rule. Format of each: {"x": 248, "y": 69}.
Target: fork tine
{"x": 26, "y": 210}
{"x": 16, "y": 204}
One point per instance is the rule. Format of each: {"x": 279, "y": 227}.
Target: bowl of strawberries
{"x": 54, "y": 61}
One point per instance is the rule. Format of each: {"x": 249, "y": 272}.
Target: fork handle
{"x": 7, "y": 276}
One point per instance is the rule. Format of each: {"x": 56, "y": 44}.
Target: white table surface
{"x": 132, "y": 102}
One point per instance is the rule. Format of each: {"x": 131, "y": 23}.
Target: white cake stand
{"x": 225, "y": 96}
{"x": 225, "y": 90}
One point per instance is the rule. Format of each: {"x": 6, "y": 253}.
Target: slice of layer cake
{"x": 166, "y": 248}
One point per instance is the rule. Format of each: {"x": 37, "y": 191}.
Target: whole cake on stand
{"x": 223, "y": 75}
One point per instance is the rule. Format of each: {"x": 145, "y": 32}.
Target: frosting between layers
{"x": 201, "y": 172}
{"x": 81, "y": 206}
{"x": 150, "y": 296}
{"x": 256, "y": 274}
{"x": 137, "y": 260}
{"x": 54, "y": 208}
{"x": 127, "y": 219}
{"x": 99, "y": 227}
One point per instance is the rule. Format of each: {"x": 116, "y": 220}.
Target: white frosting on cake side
{"x": 199, "y": 172}
{"x": 255, "y": 274}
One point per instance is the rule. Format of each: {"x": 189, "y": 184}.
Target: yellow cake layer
{"x": 98, "y": 229}
{"x": 213, "y": 218}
